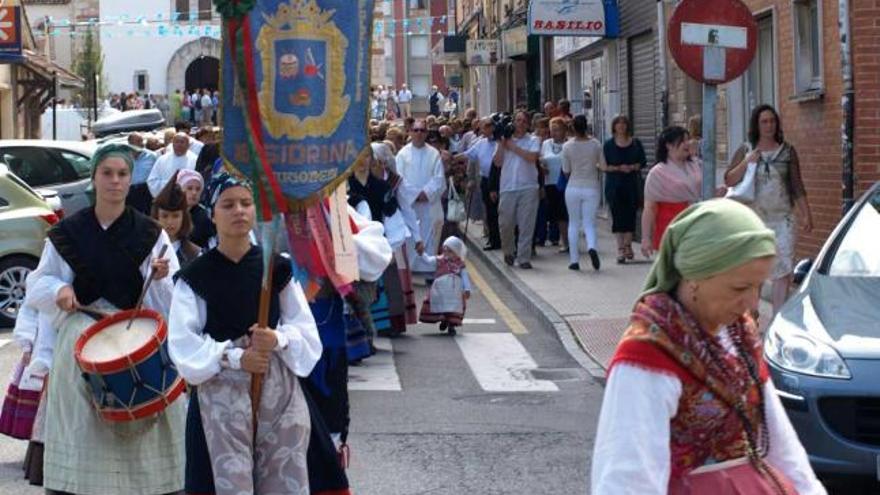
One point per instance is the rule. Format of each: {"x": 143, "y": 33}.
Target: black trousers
{"x": 491, "y": 214}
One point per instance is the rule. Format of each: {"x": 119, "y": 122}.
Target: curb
{"x": 547, "y": 315}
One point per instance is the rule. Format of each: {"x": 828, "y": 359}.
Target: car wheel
{"x": 13, "y": 274}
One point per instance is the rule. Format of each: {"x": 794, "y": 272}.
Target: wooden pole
{"x": 263, "y": 322}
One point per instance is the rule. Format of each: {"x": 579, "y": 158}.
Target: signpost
{"x": 714, "y": 42}
{"x": 574, "y": 18}
{"x": 10, "y": 34}
{"x": 482, "y": 52}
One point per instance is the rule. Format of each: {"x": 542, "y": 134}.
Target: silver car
{"x": 823, "y": 347}
{"x": 62, "y": 166}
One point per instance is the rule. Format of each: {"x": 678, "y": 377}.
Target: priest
{"x": 424, "y": 183}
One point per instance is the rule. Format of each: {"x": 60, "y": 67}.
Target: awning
{"x": 46, "y": 69}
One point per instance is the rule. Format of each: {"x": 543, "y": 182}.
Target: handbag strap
{"x": 453, "y": 194}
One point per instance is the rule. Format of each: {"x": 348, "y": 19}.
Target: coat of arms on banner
{"x": 311, "y": 62}
{"x": 303, "y": 55}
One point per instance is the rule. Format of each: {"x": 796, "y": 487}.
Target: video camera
{"x": 503, "y": 126}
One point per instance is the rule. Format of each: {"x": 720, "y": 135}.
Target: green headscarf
{"x": 707, "y": 239}
{"x": 121, "y": 150}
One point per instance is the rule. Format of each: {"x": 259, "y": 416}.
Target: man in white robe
{"x": 424, "y": 182}
{"x": 179, "y": 158}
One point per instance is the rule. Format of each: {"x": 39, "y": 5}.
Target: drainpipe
{"x": 664, "y": 72}
{"x": 848, "y": 102}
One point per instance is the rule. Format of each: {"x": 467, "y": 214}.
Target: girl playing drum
{"x": 100, "y": 257}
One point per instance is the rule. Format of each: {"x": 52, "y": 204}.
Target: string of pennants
{"x": 180, "y": 25}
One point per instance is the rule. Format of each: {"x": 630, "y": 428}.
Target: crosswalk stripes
{"x": 498, "y": 361}
{"x": 377, "y": 373}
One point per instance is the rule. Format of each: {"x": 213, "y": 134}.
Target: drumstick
{"x": 140, "y": 302}
{"x": 94, "y": 313}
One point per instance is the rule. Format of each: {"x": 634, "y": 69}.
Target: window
{"x": 807, "y": 46}
{"x": 205, "y": 10}
{"x": 857, "y": 255}
{"x": 760, "y": 81}
{"x": 81, "y": 165}
{"x": 35, "y": 166}
{"x": 141, "y": 81}
{"x": 418, "y": 47}
{"x": 419, "y": 85}
{"x": 181, "y": 10}
{"x": 417, "y": 4}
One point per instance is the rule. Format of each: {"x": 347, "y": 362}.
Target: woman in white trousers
{"x": 582, "y": 158}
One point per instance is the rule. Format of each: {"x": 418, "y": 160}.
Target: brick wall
{"x": 813, "y": 126}
{"x": 866, "y": 54}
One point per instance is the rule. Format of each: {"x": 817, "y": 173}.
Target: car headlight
{"x": 793, "y": 349}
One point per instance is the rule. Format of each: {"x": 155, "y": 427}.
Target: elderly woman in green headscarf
{"x": 99, "y": 258}
{"x": 688, "y": 406}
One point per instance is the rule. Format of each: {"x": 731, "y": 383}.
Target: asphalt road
{"x": 502, "y": 408}
{"x": 488, "y": 411}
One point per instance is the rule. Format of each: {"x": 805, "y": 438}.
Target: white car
{"x": 62, "y": 166}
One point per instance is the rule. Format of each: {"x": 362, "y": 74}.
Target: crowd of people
{"x": 531, "y": 178}
{"x": 199, "y": 107}
{"x": 388, "y": 103}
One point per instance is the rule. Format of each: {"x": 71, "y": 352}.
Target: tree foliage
{"x": 88, "y": 63}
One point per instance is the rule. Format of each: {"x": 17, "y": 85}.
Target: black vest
{"x": 106, "y": 263}
{"x": 231, "y": 290}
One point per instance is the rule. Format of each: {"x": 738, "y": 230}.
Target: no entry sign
{"x": 713, "y": 41}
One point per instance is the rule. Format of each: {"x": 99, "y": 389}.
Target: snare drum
{"x": 129, "y": 371}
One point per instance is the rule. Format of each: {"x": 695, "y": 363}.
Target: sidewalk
{"x": 591, "y": 306}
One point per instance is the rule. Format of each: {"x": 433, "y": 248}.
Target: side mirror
{"x": 801, "y": 270}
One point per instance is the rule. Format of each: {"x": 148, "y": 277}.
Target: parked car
{"x": 130, "y": 121}
{"x": 62, "y": 166}
{"x": 823, "y": 348}
{"x": 24, "y": 219}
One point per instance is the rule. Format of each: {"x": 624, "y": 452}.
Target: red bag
{"x": 19, "y": 407}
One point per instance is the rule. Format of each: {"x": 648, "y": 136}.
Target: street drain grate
{"x": 558, "y": 374}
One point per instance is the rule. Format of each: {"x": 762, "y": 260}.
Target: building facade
{"x": 160, "y": 57}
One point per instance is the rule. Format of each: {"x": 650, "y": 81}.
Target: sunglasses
{"x": 419, "y": 130}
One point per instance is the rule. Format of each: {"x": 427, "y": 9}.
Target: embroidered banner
{"x": 310, "y": 61}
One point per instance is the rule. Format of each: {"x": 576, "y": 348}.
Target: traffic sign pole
{"x": 710, "y": 100}
{"x": 712, "y": 41}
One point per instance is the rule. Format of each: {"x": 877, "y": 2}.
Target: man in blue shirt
{"x": 139, "y": 196}
{"x": 483, "y": 151}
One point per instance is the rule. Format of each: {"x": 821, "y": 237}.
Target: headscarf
{"x": 706, "y": 239}
{"x": 184, "y": 176}
{"x": 121, "y": 150}
{"x": 457, "y": 246}
{"x": 220, "y": 183}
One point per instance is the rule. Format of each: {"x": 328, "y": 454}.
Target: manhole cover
{"x": 559, "y": 374}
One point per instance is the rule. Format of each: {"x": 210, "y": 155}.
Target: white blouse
{"x": 373, "y": 250}
{"x": 53, "y": 274}
{"x": 631, "y": 453}
{"x": 198, "y": 356}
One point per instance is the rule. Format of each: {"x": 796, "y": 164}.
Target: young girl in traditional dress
{"x": 100, "y": 257}
{"x": 192, "y": 183}
{"x": 451, "y": 287}
{"x": 217, "y": 346}
{"x": 170, "y": 209}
